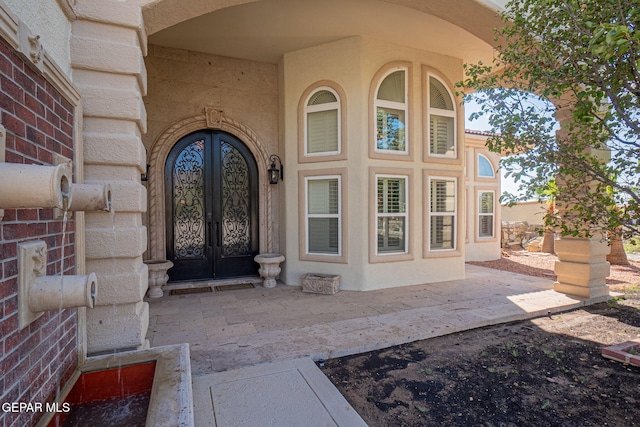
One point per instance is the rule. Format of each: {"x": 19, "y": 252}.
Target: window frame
{"x": 374, "y": 103}
{"x": 456, "y": 158}
{"x": 478, "y": 214}
{"x": 403, "y": 182}
{"x": 375, "y": 256}
{"x": 336, "y": 89}
{"x": 393, "y": 105}
{"x": 308, "y": 215}
{"x": 319, "y": 108}
{"x": 304, "y": 177}
{"x": 493, "y": 172}
{"x": 455, "y": 250}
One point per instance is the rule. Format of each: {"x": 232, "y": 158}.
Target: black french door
{"x": 211, "y": 186}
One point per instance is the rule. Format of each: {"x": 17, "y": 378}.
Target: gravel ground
{"x": 540, "y": 264}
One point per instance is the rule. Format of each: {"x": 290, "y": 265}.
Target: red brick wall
{"x": 34, "y": 361}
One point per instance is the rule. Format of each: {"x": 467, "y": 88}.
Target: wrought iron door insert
{"x": 212, "y": 209}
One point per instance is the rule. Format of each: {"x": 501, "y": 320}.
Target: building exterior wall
{"x": 478, "y": 247}
{"x": 39, "y": 125}
{"x": 186, "y": 90}
{"x": 352, "y": 64}
{"x": 182, "y": 83}
{"x": 530, "y": 212}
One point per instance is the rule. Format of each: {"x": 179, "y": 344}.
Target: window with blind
{"x": 323, "y": 207}
{"x": 391, "y": 214}
{"x": 485, "y": 169}
{"x": 485, "y": 214}
{"x": 442, "y": 120}
{"x": 442, "y": 213}
{"x": 322, "y": 123}
{"x": 391, "y": 113}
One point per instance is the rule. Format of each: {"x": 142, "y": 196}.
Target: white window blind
{"x": 441, "y": 135}
{"x": 392, "y": 87}
{"x": 442, "y": 213}
{"x": 322, "y": 131}
{"x": 322, "y": 97}
{"x": 439, "y": 96}
{"x": 323, "y": 215}
{"x": 485, "y": 213}
{"x": 391, "y": 214}
{"x": 391, "y": 113}
{"x": 442, "y": 120}
{"x": 322, "y": 123}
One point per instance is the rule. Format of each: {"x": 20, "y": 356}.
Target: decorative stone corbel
{"x": 36, "y": 49}
{"x": 31, "y": 47}
{"x": 214, "y": 117}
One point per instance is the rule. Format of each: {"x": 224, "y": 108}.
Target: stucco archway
{"x": 477, "y": 17}
{"x": 212, "y": 119}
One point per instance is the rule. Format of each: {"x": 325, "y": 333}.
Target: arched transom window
{"x": 485, "y": 169}
{"x": 442, "y": 120}
{"x": 322, "y": 123}
{"x": 391, "y": 112}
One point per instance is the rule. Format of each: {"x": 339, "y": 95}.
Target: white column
{"x": 107, "y": 49}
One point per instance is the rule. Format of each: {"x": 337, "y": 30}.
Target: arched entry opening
{"x": 211, "y": 207}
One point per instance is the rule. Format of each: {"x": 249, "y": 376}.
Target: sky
{"x": 482, "y": 124}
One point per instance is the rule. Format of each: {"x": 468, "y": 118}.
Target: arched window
{"x": 322, "y": 134}
{"x": 485, "y": 169}
{"x": 442, "y": 120}
{"x": 391, "y": 108}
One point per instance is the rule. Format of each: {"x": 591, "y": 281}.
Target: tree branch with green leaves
{"x": 581, "y": 60}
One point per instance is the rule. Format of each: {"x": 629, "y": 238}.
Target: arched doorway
{"x": 211, "y": 207}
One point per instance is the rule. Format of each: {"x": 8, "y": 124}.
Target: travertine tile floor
{"x": 233, "y": 329}
{"x": 251, "y": 349}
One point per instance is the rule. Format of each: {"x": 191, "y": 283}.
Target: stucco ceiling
{"x": 265, "y": 30}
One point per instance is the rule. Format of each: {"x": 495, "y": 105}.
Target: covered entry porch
{"x": 233, "y": 329}
{"x": 252, "y": 349}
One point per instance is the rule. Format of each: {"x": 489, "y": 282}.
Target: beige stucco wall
{"x": 182, "y": 83}
{"x": 352, "y": 64}
{"x": 531, "y": 212}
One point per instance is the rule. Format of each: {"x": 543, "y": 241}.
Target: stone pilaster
{"x": 107, "y": 49}
{"x": 582, "y": 267}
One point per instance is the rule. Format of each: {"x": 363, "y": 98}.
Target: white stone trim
{"x": 9, "y": 26}
{"x": 158, "y": 157}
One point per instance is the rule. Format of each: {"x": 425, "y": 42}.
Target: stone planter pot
{"x": 158, "y": 276}
{"x": 327, "y": 284}
{"x": 269, "y": 268}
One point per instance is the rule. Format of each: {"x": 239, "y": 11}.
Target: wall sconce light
{"x": 275, "y": 174}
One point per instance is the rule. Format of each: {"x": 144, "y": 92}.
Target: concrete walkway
{"x": 233, "y": 330}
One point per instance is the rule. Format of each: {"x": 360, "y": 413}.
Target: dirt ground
{"x": 548, "y": 371}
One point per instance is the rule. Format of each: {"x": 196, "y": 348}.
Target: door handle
{"x": 209, "y": 230}
{"x": 217, "y": 234}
